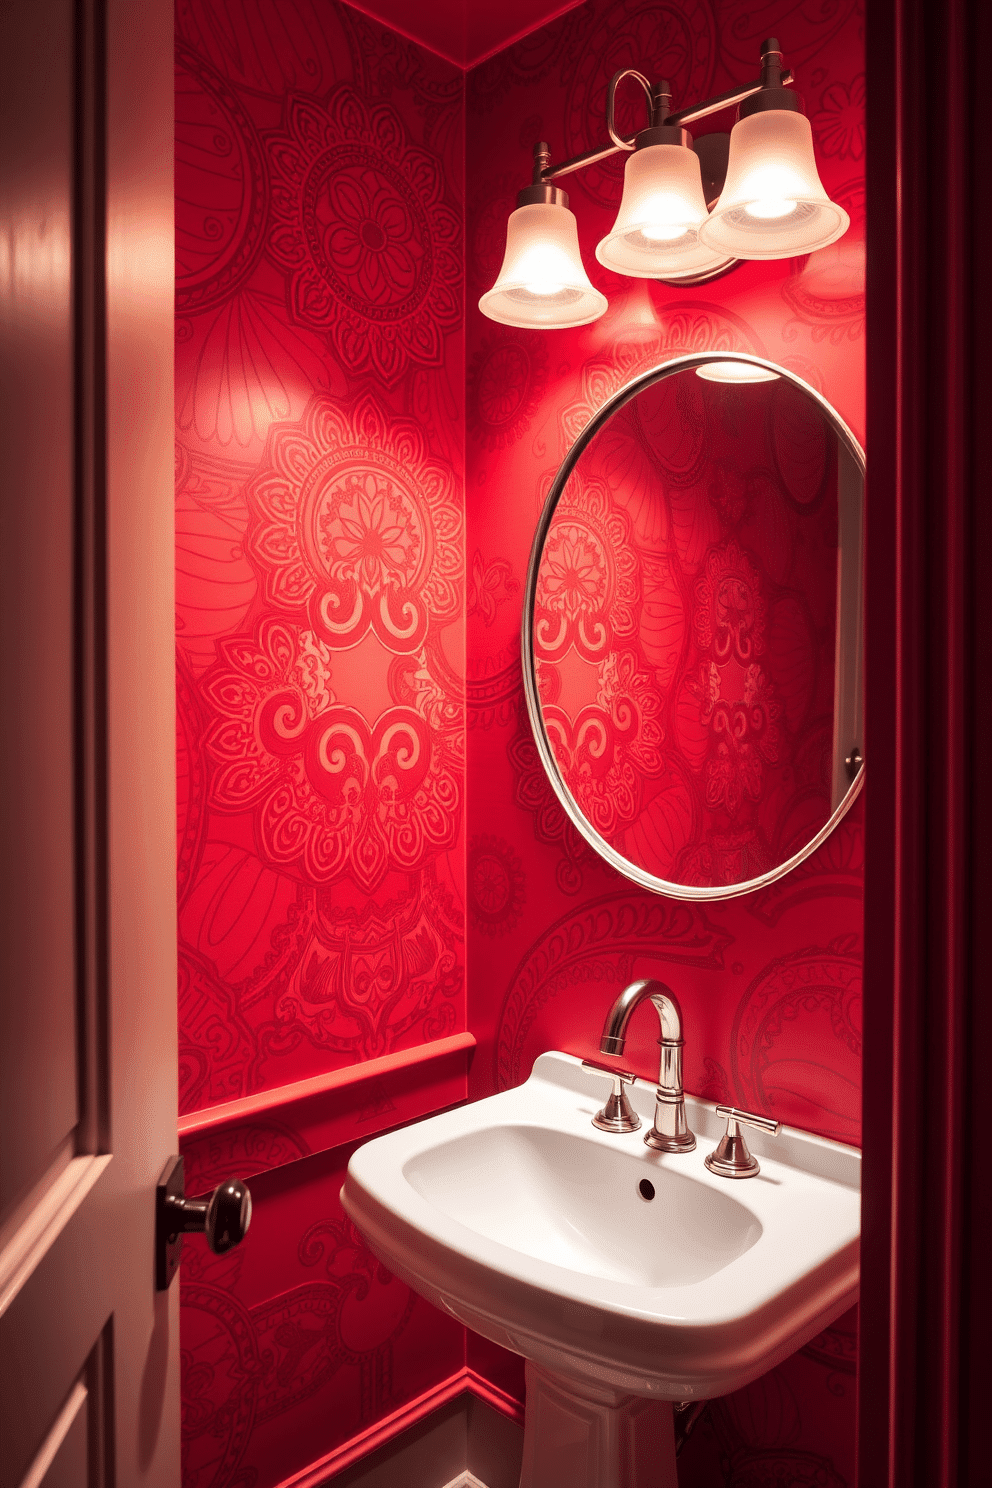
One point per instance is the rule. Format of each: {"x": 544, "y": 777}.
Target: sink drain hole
{"x": 646, "y": 1188}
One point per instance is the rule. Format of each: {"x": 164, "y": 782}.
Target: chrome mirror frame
{"x": 850, "y": 635}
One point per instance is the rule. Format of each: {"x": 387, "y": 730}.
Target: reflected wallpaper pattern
{"x": 684, "y": 628}
{"x": 370, "y": 858}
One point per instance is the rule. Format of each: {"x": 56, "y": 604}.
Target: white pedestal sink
{"x": 627, "y": 1278}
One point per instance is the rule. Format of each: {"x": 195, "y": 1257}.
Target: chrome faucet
{"x": 669, "y": 1132}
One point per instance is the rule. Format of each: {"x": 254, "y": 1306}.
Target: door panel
{"x": 88, "y": 1349}
{"x": 63, "y": 1459}
{"x": 37, "y": 908}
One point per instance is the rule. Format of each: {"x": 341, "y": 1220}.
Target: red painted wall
{"x": 324, "y": 575}
{"x": 320, "y": 566}
{"x": 770, "y": 984}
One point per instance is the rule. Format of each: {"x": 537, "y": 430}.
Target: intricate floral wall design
{"x": 362, "y": 228}
{"x": 770, "y": 985}
{"x": 358, "y": 528}
{"x": 321, "y": 586}
{"x": 343, "y": 817}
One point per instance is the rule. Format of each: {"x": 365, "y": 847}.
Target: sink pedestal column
{"x": 583, "y": 1435}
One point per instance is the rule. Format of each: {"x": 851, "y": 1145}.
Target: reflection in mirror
{"x": 692, "y": 644}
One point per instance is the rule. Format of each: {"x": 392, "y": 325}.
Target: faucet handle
{"x": 617, "y": 1115}
{"x": 731, "y": 1158}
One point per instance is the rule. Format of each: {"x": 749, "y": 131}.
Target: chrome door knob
{"x": 224, "y": 1218}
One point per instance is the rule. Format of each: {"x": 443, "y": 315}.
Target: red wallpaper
{"x": 335, "y": 832}
{"x": 770, "y": 984}
{"x": 320, "y": 579}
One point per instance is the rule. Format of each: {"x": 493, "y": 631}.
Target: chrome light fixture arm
{"x": 659, "y": 101}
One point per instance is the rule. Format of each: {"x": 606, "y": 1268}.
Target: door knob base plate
{"x": 168, "y": 1240}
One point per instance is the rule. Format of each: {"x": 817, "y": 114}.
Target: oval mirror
{"x": 692, "y": 630}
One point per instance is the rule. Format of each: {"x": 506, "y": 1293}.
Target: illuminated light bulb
{"x": 769, "y": 208}
{"x": 542, "y": 282}
{"x": 656, "y": 233}
{"x": 773, "y": 204}
{"x": 736, "y": 372}
{"x": 659, "y": 230}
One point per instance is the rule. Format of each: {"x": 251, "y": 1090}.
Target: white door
{"x": 88, "y": 1349}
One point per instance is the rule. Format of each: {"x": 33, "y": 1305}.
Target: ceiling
{"x": 465, "y": 31}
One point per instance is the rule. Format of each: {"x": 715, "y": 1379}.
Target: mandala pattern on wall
{"x": 588, "y": 583}
{"x": 495, "y": 883}
{"x": 246, "y": 1365}
{"x": 220, "y": 161}
{"x": 368, "y": 977}
{"x": 271, "y": 47}
{"x": 506, "y": 382}
{"x": 331, "y": 793}
{"x": 611, "y": 747}
{"x": 736, "y": 705}
{"x": 361, "y": 227}
{"x": 533, "y": 794}
{"x": 525, "y": 63}
{"x": 218, "y": 1055}
{"x": 356, "y": 524}
{"x": 839, "y": 122}
{"x": 489, "y": 585}
{"x": 494, "y": 691}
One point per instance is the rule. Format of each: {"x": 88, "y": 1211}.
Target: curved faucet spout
{"x": 670, "y": 1132}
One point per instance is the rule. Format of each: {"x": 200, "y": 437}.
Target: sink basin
{"x": 573, "y": 1200}
{"x": 618, "y": 1271}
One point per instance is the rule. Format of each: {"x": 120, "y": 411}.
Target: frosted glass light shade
{"x": 656, "y": 234}
{"x": 773, "y": 204}
{"x": 542, "y": 282}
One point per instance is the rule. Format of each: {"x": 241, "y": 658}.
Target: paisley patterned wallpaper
{"x": 770, "y": 984}
{"x": 343, "y": 823}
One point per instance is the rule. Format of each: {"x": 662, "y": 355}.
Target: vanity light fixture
{"x": 686, "y": 214}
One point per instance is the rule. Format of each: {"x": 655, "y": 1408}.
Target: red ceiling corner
{"x": 466, "y": 32}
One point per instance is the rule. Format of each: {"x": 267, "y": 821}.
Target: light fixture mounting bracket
{"x": 774, "y": 79}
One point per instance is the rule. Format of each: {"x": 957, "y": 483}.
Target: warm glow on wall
{"x": 736, "y": 372}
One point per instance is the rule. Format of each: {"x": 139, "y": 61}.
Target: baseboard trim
{"x": 351, "y": 1451}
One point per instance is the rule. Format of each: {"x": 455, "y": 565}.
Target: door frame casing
{"x": 923, "y": 1359}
